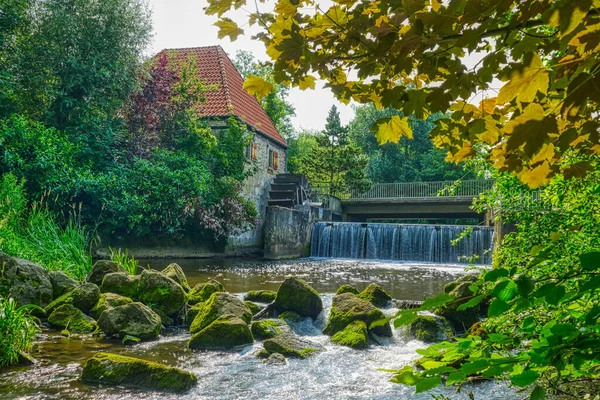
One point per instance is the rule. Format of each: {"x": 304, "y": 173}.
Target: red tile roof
{"x": 215, "y": 68}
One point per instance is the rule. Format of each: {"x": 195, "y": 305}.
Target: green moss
{"x": 347, "y": 289}
{"x": 121, "y": 283}
{"x": 269, "y": 328}
{"x": 355, "y": 335}
{"x": 290, "y": 317}
{"x": 477, "y": 330}
{"x": 107, "y": 368}
{"x": 101, "y": 268}
{"x": 429, "y": 328}
{"x": 376, "y": 295}
{"x": 218, "y": 305}
{"x": 224, "y": 333}
{"x": 175, "y": 272}
{"x": 468, "y": 279}
{"x": 347, "y": 308}
{"x": 106, "y": 301}
{"x": 263, "y": 354}
{"x": 298, "y": 296}
{"x": 255, "y": 308}
{"x": 193, "y": 312}
{"x": 135, "y": 319}
{"x": 381, "y": 328}
{"x": 261, "y": 296}
{"x": 462, "y": 320}
{"x": 202, "y": 291}
{"x": 68, "y": 317}
{"x": 162, "y": 292}
{"x": 292, "y": 346}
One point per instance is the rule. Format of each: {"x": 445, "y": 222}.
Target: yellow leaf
{"x": 491, "y": 133}
{"x": 555, "y": 236}
{"x": 286, "y": 8}
{"x": 546, "y": 153}
{"x": 537, "y": 176}
{"x": 567, "y": 19}
{"x": 463, "y": 153}
{"x": 488, "y": 106}
{"x": 273, "y": 52}
{"x": 376, "y": 99}
{"x": 257, "y": 86}
{"x": 435, "y": 5}
{"x": 218, "y": 7}
{"x": 228, "y": 27}
{"x": 393, "y": 130}
{"x": 308, "y": 82}
{"x": 524, "y": 85}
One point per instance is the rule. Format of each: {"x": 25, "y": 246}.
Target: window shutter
{"x": 275, "y": 160}
{"x": 254, "y": 151}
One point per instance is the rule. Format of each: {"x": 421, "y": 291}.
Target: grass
{"x": 122, "y": 257}
{"x": 18, "y": 331}
{"x": 36, "y": 234}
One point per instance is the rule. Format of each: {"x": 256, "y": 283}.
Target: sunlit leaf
{"x": 227, "y": 27}
{"x": 524, "y": 85}
{"x": 428, "y": 384}
{"x": 257, "y": 86}
{"x": 393, "y": 130}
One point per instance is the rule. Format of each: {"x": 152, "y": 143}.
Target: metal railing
{"x": 415, "y": 190}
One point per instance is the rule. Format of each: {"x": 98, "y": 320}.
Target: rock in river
{"x": 113, "y": 369}
{"x": 202, "y": 291}
{"x": 101, "y": 268}
{"x": 298, "y": 296}
{"x": 68, "y": 317}
{"x": 292, "y": 346}
{"x": 376, "y": 295}
{"x": 162, "y": 292}
{"x": 61, "y": 283}
{"x": 347, "y": 308}
{"x": 219, "y": 305}
{"x": 85, "y": 296}
{"x": 134, "y": 319}
{"x": 107, "y": 301}
{"x": 175, "y": 272}
{"x": 224, "y": 333}
{"x": 121, "y": 283}
{"x": 24, "y": 281}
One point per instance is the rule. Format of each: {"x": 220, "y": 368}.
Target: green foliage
{"x": 17, "y": 331}
{"x": 36, "y": 234}
{"x": 544, "y": 308}
{"x": 123, "y": 258}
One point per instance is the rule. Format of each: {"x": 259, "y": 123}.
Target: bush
{"x": 17, "y": 331}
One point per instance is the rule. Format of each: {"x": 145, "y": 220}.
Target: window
{"x": 254, "y": 151}
{"x": 273, "y": 159}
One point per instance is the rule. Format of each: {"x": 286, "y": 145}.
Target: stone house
{"x": 267, "y": 155}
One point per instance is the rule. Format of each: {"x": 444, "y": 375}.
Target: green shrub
{"x": 17, "y": 331}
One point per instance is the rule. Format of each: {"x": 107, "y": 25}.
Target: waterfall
{"x": 419, "y": 243}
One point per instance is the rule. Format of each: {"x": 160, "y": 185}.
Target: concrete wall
{"x": 256, "y": 187}
{"x": 288, "y": 232}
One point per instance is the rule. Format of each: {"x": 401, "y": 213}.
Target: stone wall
{"x": 256, "y": 187}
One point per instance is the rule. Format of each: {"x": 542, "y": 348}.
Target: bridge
{"x": 409, "y": 200}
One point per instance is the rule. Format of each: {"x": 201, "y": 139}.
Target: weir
{"x": 403, "y": 242}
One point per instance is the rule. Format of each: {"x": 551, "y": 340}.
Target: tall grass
{"x": 35, "y": 233}
{"x": 17, "y": 331}
{"x": 122, "y": 257}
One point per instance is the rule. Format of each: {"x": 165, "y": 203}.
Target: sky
{"x": 182, "y": 23}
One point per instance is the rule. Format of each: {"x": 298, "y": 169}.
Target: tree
{"x": 330, "y": 158}
{"x": 411, "y": 55}
{"x": 409, "y": 160}
{"x": 275, "y": 104}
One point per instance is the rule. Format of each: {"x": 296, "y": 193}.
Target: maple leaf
{"x": 393, "y": 130}
{"x": 257, "y": 86}
{"x": 308, "y": 82}
{"x": 228, "y": 27}
{"x": 463, "y": 153}
{"x": 537, "y": 176}
{"x": 531, "y": 129}
{"x": 524, "y": 85}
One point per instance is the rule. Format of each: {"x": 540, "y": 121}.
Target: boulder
{"x": 381, "y": 327}
{"x": 460, "y": 287}
{"x": 261, "y": 296}
{"x": 291, "y": 318}
{"x": 113, "y": 369}
{"x": 269, "y": 328}
{"x": 276, "y": 359}
{"x": 121, "y": 283}
{"x": 202, "y": 291}
{"x": 255, "y": 308}
{"x": 430, "y": 328}
{"x": 101, "y": 268}
{"x": 298, "y": 296}
{"x": 24, "y": 281}
{"x": 193, "y": 313}
{"x": 134, "y": 319}
{"x": 461, "y": 320}
{"x": 106, "y": 301}
{"x": 347, "y": 308}
{"x": 175, "y": 272}
{"x": 85, "y": 296}
{"x": 162, "y": 292}
{"x": 477, "y": 330}
{"x": 347, "y": 289}
{"x": 218, "y": 305}
{"x": 292, "y": 346}
{"x": 61, "y": 283}
{"x": 376, "y": 295}
{"x": 354, "y": 335}
{"x": 68, "y": 317}
{"x": 225, "y": 332}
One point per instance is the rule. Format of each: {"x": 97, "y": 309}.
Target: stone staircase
{"x": 289, "y": 190}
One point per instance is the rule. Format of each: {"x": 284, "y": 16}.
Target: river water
{"x": 338, "y": 373}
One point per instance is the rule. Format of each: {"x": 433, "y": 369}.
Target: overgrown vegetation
{"x": 18, "y": 331}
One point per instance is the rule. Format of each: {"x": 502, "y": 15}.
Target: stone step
{"x": 282, "y": 194}
{"x": 283, "y": 186}
{"x": 291, "y": 178}
{"x": 289, "y": 203}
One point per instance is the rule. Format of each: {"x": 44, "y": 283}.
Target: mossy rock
{"x": 264, "y": 354}
{"x": 376, "y": 295}
{"x": 161, "y": 292}
{"x": 134, "y": 319}
{"x": 347, "y": 289}
{"x": 269, "y": 328}
{"x": 84, "y": 297}
{"x": 276, "y": 359}
{"x": 354, "y": 335}
{"x": 68, "y": 317}
{"x": 121, "y": 283}
{"x": 347, "y": 308}
{"x": 381, "y": 328}
{"x": 296, "y": 295}
{"x": 461, "y": 320}
{"x": 106, "y": 301}
{"x": 175, "y": 272}
{"x": 113, "y": 369}
{"x": 291, "y": 318}
{"x": 164, "y": 319}
{"x": 61, "y": 283}
{"x": 261, "y": 296}
{"x": 202, "y": 291}
{"x": 226, "y": 332}
{"x": 101, "y": 268}
{"x": 193, "y": 313}
{"x": 292, "y": 346}
{"x": 462, "y": 284}
{"x": 218, "y": 305}
{"x": 477, "y": 330}
{"x": 255, "y": 308}
{"x": 429, "y": 329}
{"x": 25, "y": 281}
